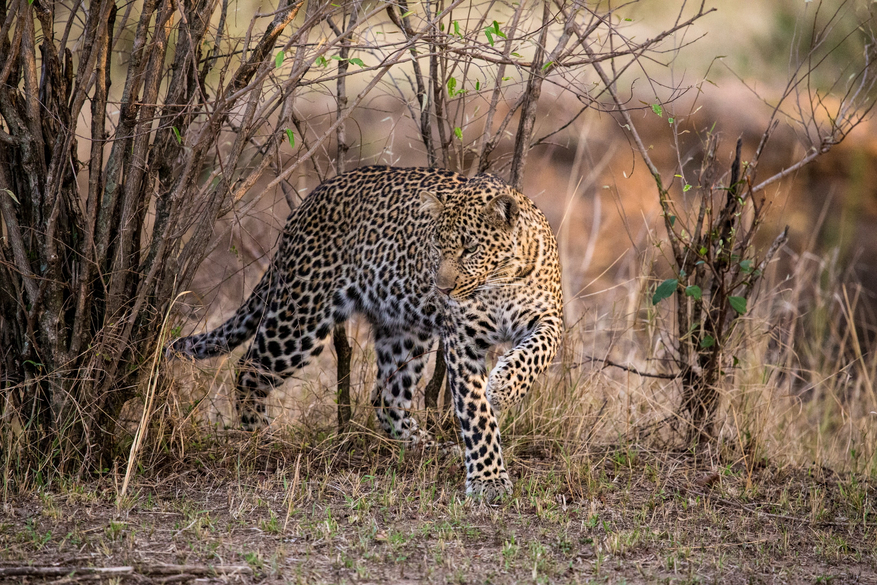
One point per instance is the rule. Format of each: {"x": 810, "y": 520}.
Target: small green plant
{"x": 510, "y": 550}
{"x": 37, "y": 540}
{"x": 271, "y": 524}
{"x": 397, "y": 538}
{"x": 255, "y": 561}
{"x": 115, "y": 530}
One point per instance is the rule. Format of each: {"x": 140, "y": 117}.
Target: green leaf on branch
{"x": 746, "y": 266}
{"x": 738, "y": 304}
{"x": 707, "y": 341}
{"x": 459, "y": 133}
{"x": 357, "y": 61}
{"x": 407, "y": 14}
{"x": 547, "y": 65}
{"x": 658, "y": 110}
{"x": 664, "y": 290}
{"x": 278, "y": 60}
{"x": 686, "y": 188}
{"x": 457, "y": 29}
{"x": 489, "y": 33}
{"x": 291, "y": 137}
{"x": 694, "y": 292}
{"x": 177, "y": 134}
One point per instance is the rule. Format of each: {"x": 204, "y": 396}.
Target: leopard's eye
{"x": 470, "y": 248}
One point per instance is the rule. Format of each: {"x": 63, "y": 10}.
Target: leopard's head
{"x": 475, "y": 237}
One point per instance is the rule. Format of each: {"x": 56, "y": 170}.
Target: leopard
{"x": 423, "y": 254}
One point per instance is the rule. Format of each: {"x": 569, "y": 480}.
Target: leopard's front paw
{"x": 489, "y": 489}
{"x": 501, "y": 390}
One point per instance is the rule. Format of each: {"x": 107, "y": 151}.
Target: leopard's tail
{"x": 236, "y": 330}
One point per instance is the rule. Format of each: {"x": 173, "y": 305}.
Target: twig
{"x": 528, "y": 108}
{"x": 422, "y": 98}
{"x": 126, "y": 570}
{"x": 631, "y": 369}
{"x": 778, "y": 242}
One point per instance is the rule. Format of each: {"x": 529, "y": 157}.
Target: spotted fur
{"x": 421, "y": 253}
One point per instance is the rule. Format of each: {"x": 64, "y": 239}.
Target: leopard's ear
{"x": 431, "y": 204}
{"x": 502, "y": 211}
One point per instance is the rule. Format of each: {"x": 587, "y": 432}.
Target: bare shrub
{"x": 712, "y": 229}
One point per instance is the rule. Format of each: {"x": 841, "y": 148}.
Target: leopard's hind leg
{"x": 295, "y": 329}
{"x": 401, "y": 358}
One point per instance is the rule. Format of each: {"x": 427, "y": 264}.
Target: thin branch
{"x": 609, "y": 363}
{"x": 531, "y": 100}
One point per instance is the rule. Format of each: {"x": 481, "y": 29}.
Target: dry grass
{"x": 359, "y": 510}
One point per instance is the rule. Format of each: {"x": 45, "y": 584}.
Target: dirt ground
{"x": 365, "y": 512}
